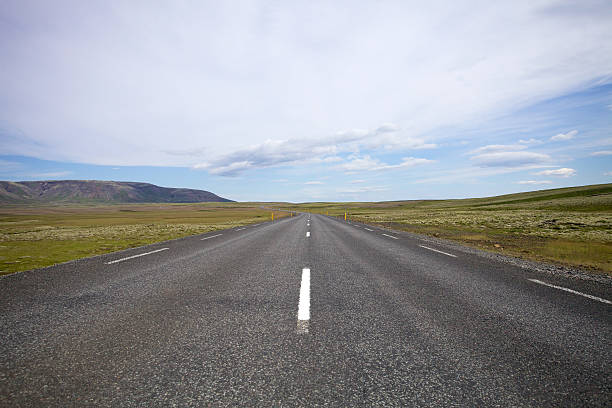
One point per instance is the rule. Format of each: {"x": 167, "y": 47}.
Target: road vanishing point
{"x": 305, "y": 311}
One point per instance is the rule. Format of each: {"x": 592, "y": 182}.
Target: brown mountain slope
{"x": 93, "y": 191}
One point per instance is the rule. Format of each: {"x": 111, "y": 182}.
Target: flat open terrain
{"x": 38, "y": 236}
{"x": 571, "y": 226}
{"x": 306, "y": 311}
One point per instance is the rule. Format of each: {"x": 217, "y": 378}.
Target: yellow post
{"x": 344, "y": 216}
{"x": 272, "y": 216}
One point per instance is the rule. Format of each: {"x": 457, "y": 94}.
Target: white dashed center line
{"x": 435, "y": 250}
{"x": 135, "y": 256}
{"x": 390, "y": 236}
{"x": 212, "y": 236}
{"x": 575, "y": 292}
{"x": 240, "y": 229}
{"x": 304, "y": 304}
{"x": 369, "y": 229}
{"x": 307, "y": 234}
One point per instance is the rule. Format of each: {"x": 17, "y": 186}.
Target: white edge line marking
{"x": 390, "y": 236}
{"x": 307, "y": 234}
{"x": 369, "y": 229}
{"x": 213, "y": 236}
{"x": 240, "y": 229}
{"x": 304, "y": 304}
{"x": 572, "y": 291}
{"x": 135, "y": 256}
{"x": 435, "y": 250}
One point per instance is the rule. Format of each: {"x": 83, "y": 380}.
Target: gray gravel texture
{"x": 555, "y": 269}
{"x": 214, "y": 323}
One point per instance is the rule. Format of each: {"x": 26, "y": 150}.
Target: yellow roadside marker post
{"x": 345, "y": 216}
{"x": 272, "y": 216}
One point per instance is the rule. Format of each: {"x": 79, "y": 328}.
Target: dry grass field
{"x": 38, "y": 236}
{"x": 571, "y": 226}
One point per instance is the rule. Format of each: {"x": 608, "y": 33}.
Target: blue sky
{"x": 309, "y": 101}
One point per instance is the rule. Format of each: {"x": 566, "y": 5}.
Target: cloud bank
{"x": 233, "y": 87}
{"x": 564, "y": 136}
{"x": 563, "y": 172}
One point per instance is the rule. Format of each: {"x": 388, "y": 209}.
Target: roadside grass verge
{"x": 35, "y": 237}
{"x": 570, "y": 226}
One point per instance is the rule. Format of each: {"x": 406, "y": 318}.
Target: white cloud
{"x": 531, "y": 141}
{"x": 602, "y": 153}
{"x": 388, "y": 127}
{"x": 564, "y": 136}
{"x": 357, "y": 181}
{"x": 497, "y": 148}
{"x": 463, "y": 174}
{"x": 563, "y": 172}
{"x": 360, "y": 164}
{"x": 510, "y": 159}
{"x": 314, "y": 182}
{"x": 367, "y": 163}
{"x": 534, "y": 182}
{"x": 365, "y": 189}
{"x": 272, "y": 153}
{"x": 268, "y": 154}
{"x": 279, "y": 180}
{"x": 610, "y": 107}
{"x": 329, "y": 159}
{"x": 231, "y": 169}
{"x": 217, "y": 75}
{"x": 608, "y": 173}
{"x": 395, "y": 141}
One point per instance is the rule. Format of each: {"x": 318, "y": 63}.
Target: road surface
{"x": 305, "y": 311}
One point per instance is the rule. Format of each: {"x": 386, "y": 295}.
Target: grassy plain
{"x": 571, "y": 226}
{"x": 38, "y": 236}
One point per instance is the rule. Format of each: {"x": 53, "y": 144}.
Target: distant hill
{"x": 93, "y": 191}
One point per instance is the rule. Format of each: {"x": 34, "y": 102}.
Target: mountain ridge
{"x": 98, "y": 191}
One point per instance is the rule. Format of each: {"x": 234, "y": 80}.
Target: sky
{"x": 309, "y": 100}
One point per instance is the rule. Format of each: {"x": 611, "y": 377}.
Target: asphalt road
{"x": 232, "y": 318}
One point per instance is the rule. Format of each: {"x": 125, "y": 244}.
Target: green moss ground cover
{"x": 571, "y": 226}
{"x": 35, "y": 237}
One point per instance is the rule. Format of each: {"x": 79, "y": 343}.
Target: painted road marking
{"x": 390, "y": 236}
{"x": 212, "y": 236}
{"x": 135, "y": 256}
{"x": 240, "y": 229}
{"x": 369, "y": 229}
{"x": 435, "y": 250}
{"x": 572, "y": 291}
{"x": 307, "y": 234}
{"x": 304, "y": 304}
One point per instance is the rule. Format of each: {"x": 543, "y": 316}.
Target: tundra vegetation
{"x": 570, "y": 226}
{"x": 38, "y": 236}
